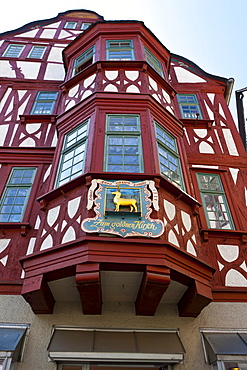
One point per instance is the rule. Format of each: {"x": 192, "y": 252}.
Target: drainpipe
{"x": 229, "y": 87}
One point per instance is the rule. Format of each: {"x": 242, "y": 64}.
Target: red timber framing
{"x": 192, "y": 255}
{"x": 83, "y": 259}
{"x": 89, "y": 255}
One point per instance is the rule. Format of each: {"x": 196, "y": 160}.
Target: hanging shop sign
{"x": 123, "y": 208}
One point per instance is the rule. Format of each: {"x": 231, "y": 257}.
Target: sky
{"x": 210, "y": 33}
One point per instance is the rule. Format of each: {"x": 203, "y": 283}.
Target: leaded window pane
{"x": 13, "y": 51}
{"x": 214, "y": 201}
{"x": 84, "y": 26}
{"x": 71, "y": 25}
{"x": 37, "y": 52}
{"x": 16, "y": 193}
{"x": 123, "y": 145}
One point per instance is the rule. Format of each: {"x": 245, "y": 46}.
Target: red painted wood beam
{"x": 154, "y": 284}
{"x": 88, "y": 285}
{"x": 37, "y": 293}
{"x": 196, "y": 297}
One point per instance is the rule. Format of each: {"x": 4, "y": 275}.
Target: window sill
{"x": 142, "y": 66}
{"x": 38, "y": 117}
{"x": 199, "y": 123}
{"x": 24, "y": 226}
{"x": 226, "y": 233}
{"x": 88, "y": 177}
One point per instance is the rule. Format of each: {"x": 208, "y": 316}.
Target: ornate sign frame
{"x": 123, "y": 208}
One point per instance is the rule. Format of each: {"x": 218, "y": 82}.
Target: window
{"x": 214, "y": 201}
{"x": 87, "y": 366}
{"x": 168, "y": 156}
{"x": 12, "y": 343}
{"x": 123, "y": 144}
{"x": 84, "y": 26}
{"x": 44, "y": 103}
{"x": 153, "y": 61}
{"x": 71, "y": 25}
{"x": 73, "y": 154}
{"x": 225, "y": 349}
{"x": 16, "y": 194}
{"x": 119, "y": 50}
{"x": 13, "y": 51}
{"x": 83, "y": 61}
{"x": 189, "y": 106}
{"x": 37, "y": 52}
{"x": 73, "y": 348}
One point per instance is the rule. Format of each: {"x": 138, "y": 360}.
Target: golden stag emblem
{"x": 124, "y": 202}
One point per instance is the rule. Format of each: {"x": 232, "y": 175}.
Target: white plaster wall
{"x": 6, "y": 70}
{"x": 54, "y": 72}
{"x": 29, "y": 69}
{"x": 184, "y": 75}
{"x": 14, "y": 309}
{"x": 55, "y": 55}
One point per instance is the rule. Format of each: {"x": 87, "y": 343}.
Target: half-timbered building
{"x": 123, "y": 221}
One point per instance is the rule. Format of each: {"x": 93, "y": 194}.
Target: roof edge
{"x": 199, "y": 69}
{"x": 42, "y": 22}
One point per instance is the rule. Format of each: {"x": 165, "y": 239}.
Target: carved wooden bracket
{"x": 88, "y": 285}
{"x": 155, "y": 282}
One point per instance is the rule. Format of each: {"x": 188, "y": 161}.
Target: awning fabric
{"x": 225, "y": 346}
{"x": 98, "y": 345}
{"x": 11, "y": 340}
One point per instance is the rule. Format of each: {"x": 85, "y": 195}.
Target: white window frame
{"x": 85, "y": 25}
{"x": 17, "y": 55}
{"x": 67, "y": 25}
{"x": 42, "y": 48}
{"x": 85, "y": 366}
